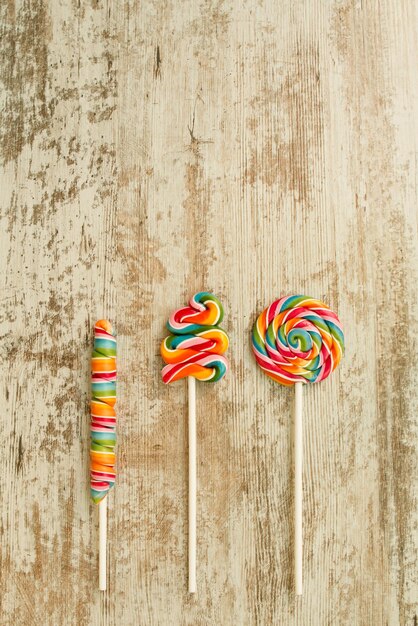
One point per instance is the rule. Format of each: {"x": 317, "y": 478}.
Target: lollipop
{"x": 194, "y": 350}
{"x": 103, "y": 429}
{"x": 298, "y": 340}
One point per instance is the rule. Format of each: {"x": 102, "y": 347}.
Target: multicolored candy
{"x": 103, "y": 414}
{"x": 196, "y": 343}
{"x": 298, "y": 339}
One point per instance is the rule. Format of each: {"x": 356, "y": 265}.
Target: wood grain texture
{"x": 151, "y": 149}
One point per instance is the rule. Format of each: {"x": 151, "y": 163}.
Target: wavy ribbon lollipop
{"x": 298, "y": 340}
{"x": 103, "y": 429}
{"x": 195, "y": 349}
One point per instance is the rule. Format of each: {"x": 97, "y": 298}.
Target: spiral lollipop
{"x": 103, "y": 429}
{"x": 194, "y": 350}
{"x": 298, "y": 340}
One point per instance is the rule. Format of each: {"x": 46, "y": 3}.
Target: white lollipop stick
{"x": 192, "y": 484}
{"x": 102, "y": 543}
{"x": 298, "y": 486}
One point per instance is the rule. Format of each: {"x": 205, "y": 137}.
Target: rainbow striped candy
{"x": 298, "y": 339}
{"x": 103, "y": 415}
{"x": 196, "y": 343}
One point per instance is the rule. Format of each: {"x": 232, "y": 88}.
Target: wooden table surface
{"x": 255, "y": 149}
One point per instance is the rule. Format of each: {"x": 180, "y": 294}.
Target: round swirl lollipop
{"x": 298, "y": 340}
{"x": 103, "y": 429}
{"x": 194, "y": 350}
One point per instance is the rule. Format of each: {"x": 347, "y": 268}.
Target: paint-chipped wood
{"x": 152, "y": 149}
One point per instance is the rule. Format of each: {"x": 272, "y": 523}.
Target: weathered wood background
{"x": 151, "y": 149}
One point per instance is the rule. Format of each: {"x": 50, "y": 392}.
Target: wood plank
{"x": 150, "y": 150}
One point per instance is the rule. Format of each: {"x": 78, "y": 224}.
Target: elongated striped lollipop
{"x": 103, "y": 429}
{"x": 194, "y": 350}
{"x": 298, "y": 340}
